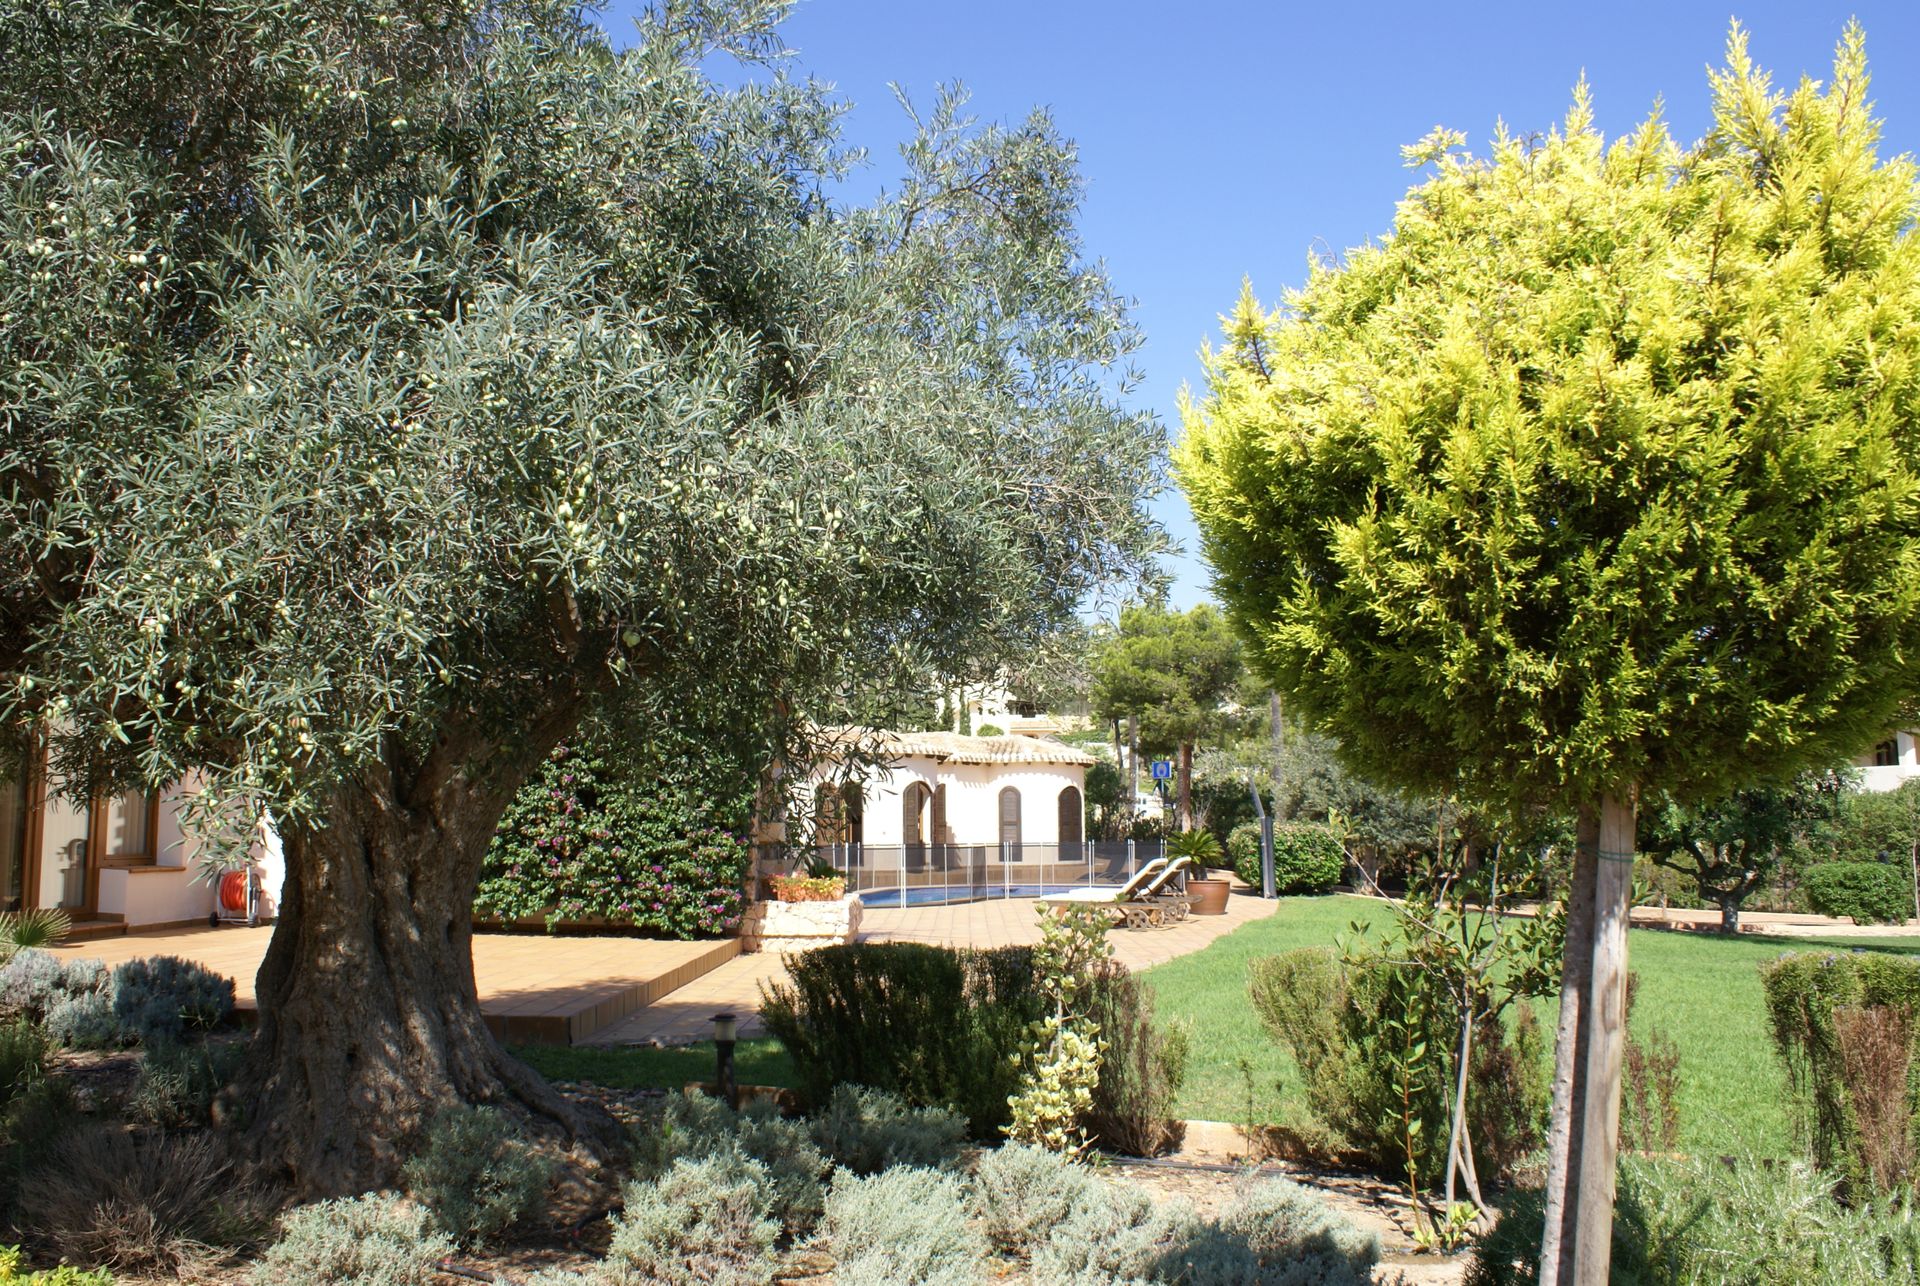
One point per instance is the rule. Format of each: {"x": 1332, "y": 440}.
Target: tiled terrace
{"x": 620, "y": 991}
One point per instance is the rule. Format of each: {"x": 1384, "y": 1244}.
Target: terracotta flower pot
{"x": 1209, "y": 896}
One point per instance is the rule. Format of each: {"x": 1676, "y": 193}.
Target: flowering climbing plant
{"x": 593, "y": 838}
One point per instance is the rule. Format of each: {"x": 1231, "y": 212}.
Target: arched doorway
{"x": 1071, "y": 833}
{"x": 1010, "y": 824}
{"x": 915, "y": 804}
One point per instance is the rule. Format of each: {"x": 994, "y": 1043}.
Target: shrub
{"x": 1805, "y": 992}
{"x": 12, "y": 1273}
{"x": 595, "y": 836}
{"x": 1329, "y": 1015}
{"x": 1290, "y": 1236}
{"x": 1307, "y": 858}
{"x": 42, "y": 1112}
{"x": 1875, "y": 1045}
{"x": 160, "y": 998}
{"x": 1022, "y": 1193}
{"x": 1243, "y": 851}
{"x": 143, "y": 1204}
{"x": 23, "y": 1058}
{"x": 177, "y": 1083}
{"x": 1719, "y": 1220}
{"x": 1870, "y": 892}
{"x": 85, "y": 1022}
{"x": 373, "y": 1240}
{"x": 935, "y": 1026}
{"x": 702, "y": 1223}
{"x": 868, "y": 1131}
{"x": 696, "y": 1126}
{"x": 904, "y": 1227}
{"x": 1120, "y": 1236}
{"x": 1140, "y": 1072}
{"x": 34, "y": 981}
{"x": 476, "y": 1176}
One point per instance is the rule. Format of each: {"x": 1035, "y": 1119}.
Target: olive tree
{"x": 1598, "y": 477}
{"x": 385, "y": 386}
{"x": 1730, "y": 848}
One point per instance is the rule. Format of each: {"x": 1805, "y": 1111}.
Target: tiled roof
{"x": 953, "y": 748}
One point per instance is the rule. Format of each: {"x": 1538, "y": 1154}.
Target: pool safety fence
{"x": 924, "y": 874}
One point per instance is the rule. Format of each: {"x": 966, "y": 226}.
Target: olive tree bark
{"x": 369, "y": 1017}
{"x": 1582, "y": 1143}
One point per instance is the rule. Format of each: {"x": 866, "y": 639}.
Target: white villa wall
{"x": 972, "y": 800}
{"x": 1889, "y": 776}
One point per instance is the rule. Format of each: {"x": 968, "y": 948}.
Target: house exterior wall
{"x": 1880, "y": 777}
{"x": 972, "y": 800}
{"x": 162, "y": 892}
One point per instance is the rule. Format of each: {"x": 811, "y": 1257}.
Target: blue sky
{"x": 1226, "y": 140}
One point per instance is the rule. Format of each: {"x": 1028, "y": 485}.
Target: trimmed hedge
{"x": 1307, "y": 857}
{"x": 1870, "y": 892}
{"x": 937, "y": 1027}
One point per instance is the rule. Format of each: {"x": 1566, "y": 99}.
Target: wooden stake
{"x": 1578, "y": 1241}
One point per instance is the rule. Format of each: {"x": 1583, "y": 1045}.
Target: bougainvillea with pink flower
{"x": 597, "y": 837}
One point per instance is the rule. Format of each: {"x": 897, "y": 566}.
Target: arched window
{"x": 1070, "y": 832}
{"x": 1010, "y": 824}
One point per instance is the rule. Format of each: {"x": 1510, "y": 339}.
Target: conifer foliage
{"x": 1601, "y": 475}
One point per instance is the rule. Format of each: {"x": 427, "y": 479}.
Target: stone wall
{"x": 800, "y": 926}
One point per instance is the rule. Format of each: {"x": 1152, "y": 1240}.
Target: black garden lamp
{"x": 723, "y": 1037}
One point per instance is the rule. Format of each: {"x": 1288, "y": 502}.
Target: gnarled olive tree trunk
{"x": 369, "y": 1018}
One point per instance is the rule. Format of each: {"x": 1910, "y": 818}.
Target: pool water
{"x": 934, "y": 896}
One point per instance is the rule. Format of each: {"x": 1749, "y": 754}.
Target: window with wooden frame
{"x": 124, "y": 829}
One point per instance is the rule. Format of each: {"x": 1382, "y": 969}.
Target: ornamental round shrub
{"x": 1870, "y": 892}
{"x": 903, "y": 1227}
{"x": 869, "y": 1130}
{"x": 158, "y": 999}
{"x": 703, "y": 1223}
{"x": 1307, "y": 858}
{"x": 585, "y": 841}
{"x": 697, "y": 1126}
{"x": 476, "y": 1176}
{"x": 377, "y": 1238}
{"x": 34, "y": 982}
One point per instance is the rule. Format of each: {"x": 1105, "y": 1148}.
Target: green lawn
{"x": 756, "y": 1062}
{"x": 1704, "y": 991}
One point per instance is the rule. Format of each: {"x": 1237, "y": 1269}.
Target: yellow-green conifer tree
{"x": 1601, "y": 474}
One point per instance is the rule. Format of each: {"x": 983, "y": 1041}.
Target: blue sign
{"x": 1163, "y": 770}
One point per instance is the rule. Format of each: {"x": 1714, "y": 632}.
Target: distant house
{"x": 115, "y": 863}
{"x": 1890, "y": 762}
{"x": 1011, "y": 795}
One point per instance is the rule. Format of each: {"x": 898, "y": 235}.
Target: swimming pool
{"x": 935, "y": 895}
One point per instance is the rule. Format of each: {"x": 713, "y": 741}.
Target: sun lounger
{"x": 1099, "y": 894}
{"x": 1148, "y": 900}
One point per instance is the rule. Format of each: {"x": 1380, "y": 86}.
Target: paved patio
{"x": 534, "y": 989}
{"x": 626, "y": 991}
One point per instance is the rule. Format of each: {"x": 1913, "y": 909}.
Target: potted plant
{"x": 1206, "y": 891}
{"x": 821, "y": 882}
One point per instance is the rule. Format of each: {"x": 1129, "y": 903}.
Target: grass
{"x": 1703, "y": 990}
{"x": 632, "y": 1067}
